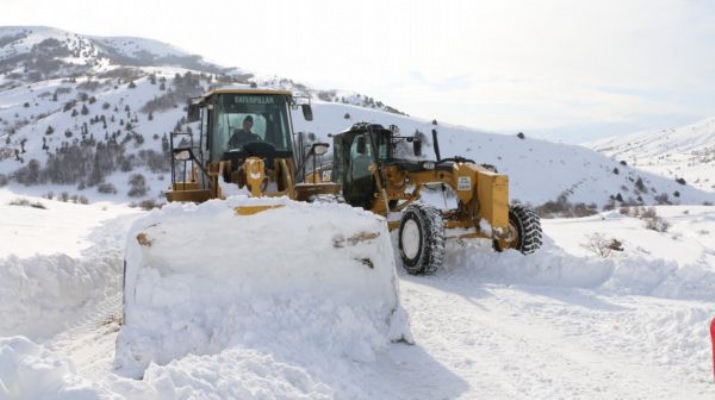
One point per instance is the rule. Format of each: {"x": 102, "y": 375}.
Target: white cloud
{"x": 496, "y": 64}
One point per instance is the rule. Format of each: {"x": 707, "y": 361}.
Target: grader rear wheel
{"x": 526, "y": 227}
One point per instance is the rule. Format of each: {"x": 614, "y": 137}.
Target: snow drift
{"x": 29, "y": 371}
{"x": 44, "y": 293}
{"x": 201, "y": 278}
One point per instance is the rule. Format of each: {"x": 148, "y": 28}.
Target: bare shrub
{"x": 562, "y": 208}
{"x": 146, "y": 205}
{"x": 662, "y": 199}
{"x": 106, "y": 188}
{"x": 138, "y": 187}
{"x": 601, "y": 246}
{"x": 648, "y": 214}
{"x": 27, "y": 203}
{"x": 657, "y": 224}
{"x": 79, "y": 199}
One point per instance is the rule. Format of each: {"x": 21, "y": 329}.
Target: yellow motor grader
{"x": 372, "y": 176}
{"x": 246, "y": 140}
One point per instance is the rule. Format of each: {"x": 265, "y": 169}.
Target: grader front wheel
{"x": 525, "y": 228}
{"x": 421, "y": 239}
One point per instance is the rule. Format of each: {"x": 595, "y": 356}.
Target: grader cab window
{"x": 359, "y": 183}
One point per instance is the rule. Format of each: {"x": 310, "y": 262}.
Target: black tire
{"x": 527, "y": 227}
{"x": 421, "y": 239}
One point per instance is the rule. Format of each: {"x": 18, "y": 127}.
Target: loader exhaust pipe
{"x": 436, "y": 145}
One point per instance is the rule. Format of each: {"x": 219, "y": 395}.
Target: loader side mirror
{"x": 182, "y": 155}
{"x": 320, "y": 148}
{"x": 193, "y": 113}
{"x": 417, "y": 147}
{"x": 361, "y": 145}
{"x": 307, "y": 112}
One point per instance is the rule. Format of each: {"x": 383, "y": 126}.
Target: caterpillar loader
{"x": 239, "y": 230}
{"x": 266, "y": 162}
{"x": 372, "y": 176}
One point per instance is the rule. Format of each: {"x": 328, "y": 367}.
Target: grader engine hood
{"x": 492, "y": 195}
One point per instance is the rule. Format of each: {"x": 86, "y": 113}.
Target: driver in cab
{"x": 244, "y": 135}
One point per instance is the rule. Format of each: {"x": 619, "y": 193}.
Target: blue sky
{"x": 563, "y": 69}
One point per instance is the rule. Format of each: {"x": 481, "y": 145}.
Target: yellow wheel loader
{"x": 373, "y": 176}
{"x": 240, "y": 243}
{"x": 246, "y": 140}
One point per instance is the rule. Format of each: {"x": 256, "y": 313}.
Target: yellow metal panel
{"x": 255, "y": 209}
{"x": 255, "y": 170}
{"x": 196, "y": 195}
{"x": 178, "y": 186}
{"x": 465, "y": 179}
{"x": 493, "y": 197}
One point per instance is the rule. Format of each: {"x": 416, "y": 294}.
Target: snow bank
{"x": 678, "y": 264}
{"x": 318, "y": 276}
{"x": 45, "y": 293}
{"x": 29, "y": 371}
{"x": 553, "y": 267}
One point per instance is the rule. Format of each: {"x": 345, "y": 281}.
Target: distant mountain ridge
{"x": 33, "y": 54}
{"x": 686, "y": 153}
{"x": 43, "y": 50}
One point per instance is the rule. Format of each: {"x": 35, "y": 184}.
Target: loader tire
{"x": 527, "y": 226}
{"x": 421, "y": 239}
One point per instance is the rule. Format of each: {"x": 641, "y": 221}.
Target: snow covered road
{"x": 520, "y": 342}
{"x": 561, "y": 324}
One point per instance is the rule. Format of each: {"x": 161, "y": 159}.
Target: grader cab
{"x": 373, "y": 176}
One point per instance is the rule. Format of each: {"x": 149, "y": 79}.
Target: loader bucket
{"x": 202, "y": 278}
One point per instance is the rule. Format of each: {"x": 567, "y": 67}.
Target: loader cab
{"x": 265, "y": 164}
{"x": 225, "y": 111}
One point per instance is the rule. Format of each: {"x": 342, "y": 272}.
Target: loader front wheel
{"x": 526, "y": 229}
{"x": 421, "y": 239}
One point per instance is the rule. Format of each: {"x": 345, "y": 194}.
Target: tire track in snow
{"x": 482, "y": 333}
{"x": 89, "y": 342}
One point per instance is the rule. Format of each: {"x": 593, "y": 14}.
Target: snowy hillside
{"x": 686, "y": 153}
{"x": 539, "y": 171}
{"x": 570, "y": 321}
{"x": 88, "y": 118}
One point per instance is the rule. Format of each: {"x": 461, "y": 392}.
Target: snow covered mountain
{"x": 686, "y": 153}
{"x": 87, "y": 118}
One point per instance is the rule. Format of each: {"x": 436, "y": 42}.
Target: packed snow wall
{"x": 201, "y": 278}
